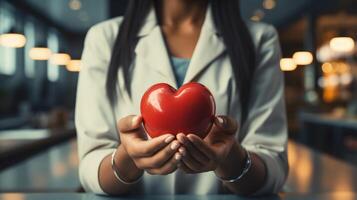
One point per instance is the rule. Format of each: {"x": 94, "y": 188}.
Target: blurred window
{"x": 53, "y": 44}
{"x": 31, "y": 42}
{"x": 7, "y": 55}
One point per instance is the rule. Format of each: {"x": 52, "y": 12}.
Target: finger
{"x": 161, "y": 157}
{"x": 129, "y": 123}
{"x": 181, "y": 138}
{"x": 168, "y": 167}
{"x": 196, "y": 154}
{"x": 192, "y": 163}
{"x": 201, "y": 146}
{"x": 181, "y": 165}
{"x": 226, "y": 124}
{"x": 145, "y": 148}
{"x": 182, "y": 151}
{"x": 224, "y": 128}
{"x": 184, "y": 168}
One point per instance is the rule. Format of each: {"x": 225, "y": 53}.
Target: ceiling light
{"x": 74, "y": 66}
{"x": 346, "y": 79}
{"x": 75, "y": 4}
{"x": 342, "y": 44}
{"x": 287, "y": 64}
{"x": 269, "y": 4}
{"x": 60, "y": 59}
{"x": 12, "y": 40}
{"x": 40, "y": 53}
{"x": 303, "y": 58}
{"x": 327, "y": 68}
{"x": 328, "y": 81}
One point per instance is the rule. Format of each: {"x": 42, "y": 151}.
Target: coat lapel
{"x": 209, "y": 46}
{"x": 151, "y": 48}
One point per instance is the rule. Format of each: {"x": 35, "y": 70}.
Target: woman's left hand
{"x": 202, "y": 155}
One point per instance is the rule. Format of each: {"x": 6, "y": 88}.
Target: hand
{"x": 202, "y": 155}
{"x": 157, "y": 155}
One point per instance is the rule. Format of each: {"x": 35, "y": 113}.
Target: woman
{"x": 179, "y": 41}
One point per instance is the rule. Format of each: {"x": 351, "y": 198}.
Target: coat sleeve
{"x": 94, "y": 116}
{"x": 265, "y": 129}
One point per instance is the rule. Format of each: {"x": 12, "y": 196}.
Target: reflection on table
{"x": 314, "y": 172}
{"x": 56, "y": 170}
{"x": 83, "y": 196}
{"x": 53, "y": 170}
{"x": 19, "y": 144}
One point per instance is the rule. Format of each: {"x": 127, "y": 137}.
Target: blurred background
{"x": 41, "y": 42}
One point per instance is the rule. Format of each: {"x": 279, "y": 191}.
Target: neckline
{"x": 181, "y": 59}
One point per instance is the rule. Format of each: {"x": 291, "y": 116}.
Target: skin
{"x": 220, "y": 152}
{"x": 135, "y": 154}
{"x": 181, "y": 22}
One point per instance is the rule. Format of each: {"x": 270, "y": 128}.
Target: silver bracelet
{"x": 247, "y": 166}
{"x": 115, "y": 171}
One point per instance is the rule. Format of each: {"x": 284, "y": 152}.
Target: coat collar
{"x": 151, "y": 22}
{"x": 152, "y": 49}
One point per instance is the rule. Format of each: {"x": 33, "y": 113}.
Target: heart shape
{"x": 189, "y": 110}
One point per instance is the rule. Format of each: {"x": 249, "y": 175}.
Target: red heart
{"x": 189, "y": 110}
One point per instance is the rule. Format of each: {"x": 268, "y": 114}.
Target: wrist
{"x": 129, "y": 171}
{"x": 233, "y": 164}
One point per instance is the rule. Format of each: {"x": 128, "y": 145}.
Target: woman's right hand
{"x": 155, "y": 156}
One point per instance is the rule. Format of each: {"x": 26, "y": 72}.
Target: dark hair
{"x": 228, "y": 20}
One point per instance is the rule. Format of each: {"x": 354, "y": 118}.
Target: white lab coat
{"x": 265, "y": 131}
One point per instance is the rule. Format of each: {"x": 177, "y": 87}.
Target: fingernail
{"x": 190, "y": 137}
{"x": 182, "y": 151}
{"x": 169, "y": 139}
{"x": 178, "y": 156}
{"x": 186, "y": 139}
{"x": 134, "y": 120}
{"x": 181, "y": 138}
{"x": 175, "y": 145}
{"x": 220, "y": 120}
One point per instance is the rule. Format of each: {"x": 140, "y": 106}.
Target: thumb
{"x": 129, "y": 123}
{"x": 226, "y": 124}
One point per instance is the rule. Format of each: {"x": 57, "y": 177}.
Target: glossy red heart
{"x": 189, "y": 110}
